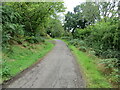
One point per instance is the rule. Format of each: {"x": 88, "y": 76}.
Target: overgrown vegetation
{"x": 32, "y": 22}
{"x": 93, "y": 27}
{"x": 96, "y": 31}
{"x": 25, "y": 27}
{"x": 102, "y": 41}
{"x": 94, "y": 77}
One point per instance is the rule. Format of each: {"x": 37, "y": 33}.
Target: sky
{"x": 70, "y": 4}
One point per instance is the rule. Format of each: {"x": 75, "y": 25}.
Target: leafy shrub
{"x": 40, "y": 39}
{"x": 114, "y": 76}
{"x": 66, "y": 38}
{"x": 110, "y": 63}
{"x": 34, "y": 39}
{"x": 5, "y": 70}
{"x": 82, "y": 43}
{"x": 92, "y": 52}
{"x": 11, "y": 28}
{"x": 103, "y": 39}
{"x": 82, "y": 33}
{"x": 111, "y": 54}
{"x": 111, "y": 69}
{"x": 82, "y": 48}
{"x": 74, "y": 42}
{"x": 25, "y": 44}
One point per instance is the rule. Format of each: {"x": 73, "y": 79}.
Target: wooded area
{"x": 27, "y": 24}
{"x": 93, "y": 27}
{"x": 30, "y": 21}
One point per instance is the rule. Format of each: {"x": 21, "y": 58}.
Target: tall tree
{"x": 27, "y": 20}
{"x": 108, "y": 9}
{"x": 84, "y": 14}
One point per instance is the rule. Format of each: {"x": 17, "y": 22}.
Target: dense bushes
{"x": 5, "y": 70}
{"x": 97, "y": 25}
{"x": 22, "y": 22}
{"x": 26, "y": 23}
{"x": 11, "y": 29}
{"x": 101, "y": 39}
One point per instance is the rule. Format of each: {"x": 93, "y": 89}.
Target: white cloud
{"x": 70, "y": 4}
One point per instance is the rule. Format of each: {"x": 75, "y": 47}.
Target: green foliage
{"x": 103, "y": 39}
{"x": 66, "y": 38}
{"x": 84, "y": 14}
{"x": 112, "y": 70}
{"x": 82, "y": 48}
{"x": 82, "y": 33}
{"x": 5, "y": 70}
{"x": 73, "y": 21}
{"x": 91, "y": 72}
{"x": 91, "y": 52}
{"x": 88, "y": 11}
{"x": 11, "y": 29}
{"x": 80, "y": 44}
{"x": 29, "y": 21}
{"x": 114, "y": 77}
{"x": 110, "y": 63}
{"x": 74, "y": 42}
{"x": 25, "y": 24}
{"x": 35, "y": 39}
{"x": 96, "y": 24}
{"x": 54, "y": 28}
{"x": 23, "y": 57}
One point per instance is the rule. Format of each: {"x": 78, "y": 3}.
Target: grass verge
{"x": 23, "y": 57}
{"x": 93, "y": 76}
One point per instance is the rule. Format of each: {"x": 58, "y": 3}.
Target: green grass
{"x": 93, "y": 76}
{"x": 23, "y": 57}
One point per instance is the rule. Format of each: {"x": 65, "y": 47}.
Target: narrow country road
{"x": 57, "y": 70}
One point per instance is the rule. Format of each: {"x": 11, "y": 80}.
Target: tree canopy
{"x": 29, "y": 20}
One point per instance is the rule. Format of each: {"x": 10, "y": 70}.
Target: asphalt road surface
{"x": 58, "y": 69}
